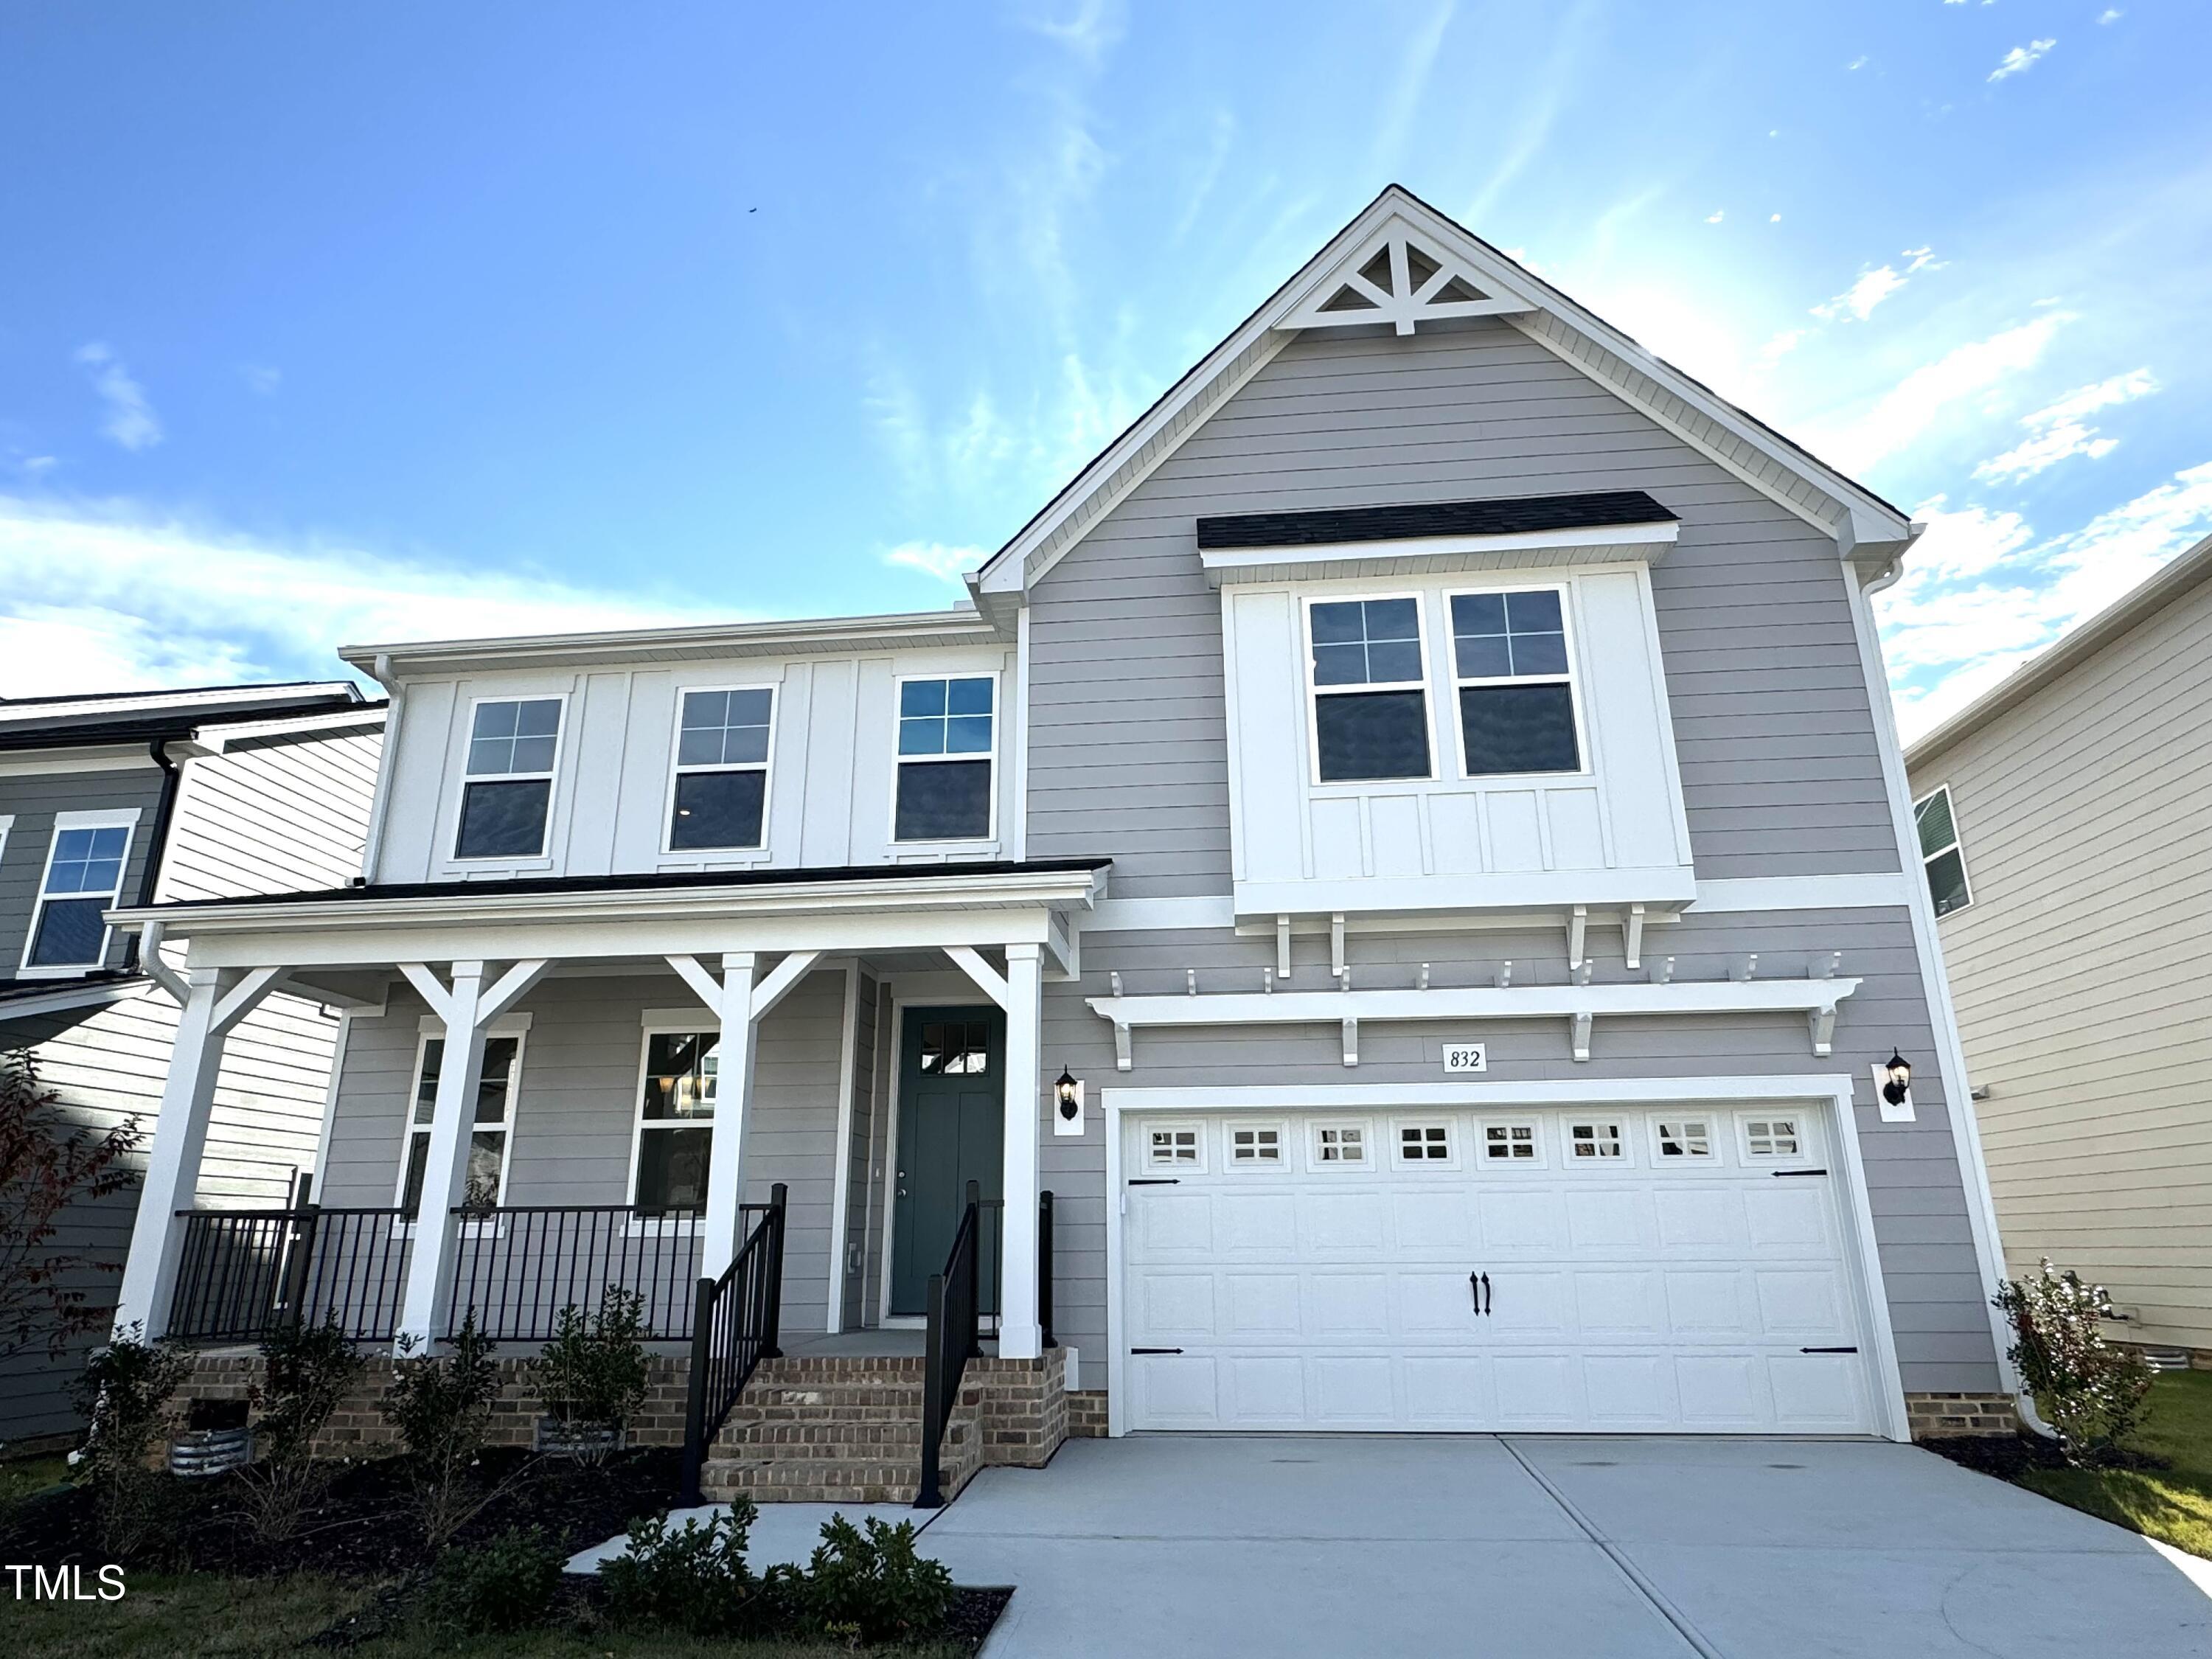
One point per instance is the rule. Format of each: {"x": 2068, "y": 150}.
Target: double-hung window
{"x": 947, "y": 740}
{"x": 491, "y": 1132}
{"x": 83, "y": 880}
{"x": 1941, "y": 853}
{"x": 721, "y": 769}
{"x": 509, "y": 792}
{"x": 1371, "y": 706}
{"x": 1516, "y": 693}
{"x": 675, "y": 1121}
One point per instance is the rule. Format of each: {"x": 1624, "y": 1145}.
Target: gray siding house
{"x": 1408, "y": 849}
{"x": 150, "y": 798}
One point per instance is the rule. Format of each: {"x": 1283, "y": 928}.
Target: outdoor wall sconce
{"x": 1068, "y": 1104}
{"x": 1892, "y": 1083}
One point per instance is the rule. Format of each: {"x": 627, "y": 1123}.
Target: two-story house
{"x": 1409, "y": 848}
{"x": 149, "y": 798}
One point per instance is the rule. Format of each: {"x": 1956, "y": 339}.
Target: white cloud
{"x": 1857, "y": 62}
{"x": 260, "y": 378}
{"x": 945, "y": 563}
{"x": 1860, "y": 298}
{"x": 113, "y": 596}
{"x": 1773, "y": 218}
{"x": 1923, "y": 258}
{"x": 1090, "y": 30}
{"x": 1716, "y": 215}
{"x": 2111, "y": 14}
{"x": 130, "y": 419}
{"x": 1403, "y": 100}
{"x": 2021, "y": 58}
{"x": 2062, "y": 429}
{"x": 1911, "y": 407}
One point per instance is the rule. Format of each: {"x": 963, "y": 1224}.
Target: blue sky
{"x": 323, "y": 324}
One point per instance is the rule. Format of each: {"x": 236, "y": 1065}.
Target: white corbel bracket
{"x": 1123, "y": 1061}
{"x": 1578, "y": 930}
{"x": 1578, "y": 1036}
{"x": 1352, "y": 1042}
{"x": 1823, "y": 1024}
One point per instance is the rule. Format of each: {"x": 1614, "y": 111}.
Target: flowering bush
{"x": 2090, "y": 1390}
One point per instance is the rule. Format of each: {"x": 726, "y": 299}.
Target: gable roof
{"x": 148, "y": 716}
{"x": 1401, "y": 262}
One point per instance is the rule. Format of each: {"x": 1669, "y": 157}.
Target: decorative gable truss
{"x": 1400, "y": 279}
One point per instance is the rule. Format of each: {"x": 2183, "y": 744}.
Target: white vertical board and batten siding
{"x": 831, "y": 782}
{"x": 2078, "y": 969}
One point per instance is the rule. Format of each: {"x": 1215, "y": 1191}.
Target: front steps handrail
{"x": 953, "y": 1338}
{"x": 734, "y": 1326}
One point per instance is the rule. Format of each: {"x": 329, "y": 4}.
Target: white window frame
{"x": 1623, "y": 1137}
{"x": 7, "y": 822}
{"x": 1572, "y": 679}
{"x": 430, "y": 1028}
{"x": 1193, "y": 1126}
{"x": 678, "y": 769}
{"x": 1714, "y": 1139}
{"x": 1316, "y": 1127}
{"x": 664, "y": 1022}
{"x": 998, "y": 721}
{"x": 1453, "y": 1135}
{"x": 1541, "y": 1159}
{"x": 1957, "y": 844}
{"x": 125, "y": 818}
{"x": 1231, "y": 1164}
{"x": 1797, "y": 1122}
{"x": 1315, "y": 691}
{"x": 552, "y": 779}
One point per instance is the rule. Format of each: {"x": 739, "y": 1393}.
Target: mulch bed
{"x": 2008, "y": 1457}
{"x": 364, "y": 1527}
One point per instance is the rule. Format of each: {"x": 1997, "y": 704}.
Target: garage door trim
{"x": 1831, "y": 1090}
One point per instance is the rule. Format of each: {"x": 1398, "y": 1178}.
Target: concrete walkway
{"x": 1370, "y": 1546}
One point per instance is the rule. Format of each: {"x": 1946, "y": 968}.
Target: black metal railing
{"x": 953, "y": 1337}
{"x": 516, "y": 1266}
{"x": 735, "y": 1325}
{"x": 1044, "y": 1269}
{"x": 245, "y": 1273}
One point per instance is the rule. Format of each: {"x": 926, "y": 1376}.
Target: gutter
{"x": 157, "y": 844}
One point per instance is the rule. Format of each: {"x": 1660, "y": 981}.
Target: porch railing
{"x": 735, "y": 1325}
{"x": 246, "y": 1274}
{"x": 953, "y": 1337}
{"x": 516, "y": 1266}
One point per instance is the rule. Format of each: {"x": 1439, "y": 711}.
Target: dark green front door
{"x": 952, "y": 1120}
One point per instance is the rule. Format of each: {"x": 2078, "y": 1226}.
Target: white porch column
{"x": 1020, "y": 1337}
{"x": 466, "y": 1010}
{"x": 214, "y": 1002}
{"x": 733, "y": 1091}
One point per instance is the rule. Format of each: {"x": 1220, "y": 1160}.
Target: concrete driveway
{"x": 1365, "y": 1546}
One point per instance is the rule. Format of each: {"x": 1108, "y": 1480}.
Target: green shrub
{"x": 694, "y": 1580}
{"x": 507, "y": 1584}
{"x": 594, "y": 1369}
{"x": 442, "y": 1408}
{"x": 310, "y": 1370}
{"x": 125, "y": 1392}
{"x": 872, "y": 1585}
{"x": 2091, "y": 1391}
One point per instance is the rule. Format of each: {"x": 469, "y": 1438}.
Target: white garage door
{"x": 1604, "y": 1270}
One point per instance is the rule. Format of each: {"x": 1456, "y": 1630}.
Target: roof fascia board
{"x": 1646, "y": 544}
{"x": 153, "y": 704}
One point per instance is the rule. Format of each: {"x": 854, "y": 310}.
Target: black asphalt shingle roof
{"x": 1509, "y": 516}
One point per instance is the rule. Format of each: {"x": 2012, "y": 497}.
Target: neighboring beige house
{"x": 2066, "y": 827}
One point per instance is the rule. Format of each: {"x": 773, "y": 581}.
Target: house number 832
{"x": 1465, "y": 1057}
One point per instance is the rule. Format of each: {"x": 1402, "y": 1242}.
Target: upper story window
{"x": 947, "y": 742}
{"x": 1516, "y": 694}
{"x": 1370, "y": 709}
{"x": 1941, "y": 854}
{"x": 721, "y": 769}
{"x": 508, "y": 796}
{"x": 83, "y": 880}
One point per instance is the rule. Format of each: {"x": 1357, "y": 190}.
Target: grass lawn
{"x": 2174, "y": 1504}
{"x": 19, "y": 1479}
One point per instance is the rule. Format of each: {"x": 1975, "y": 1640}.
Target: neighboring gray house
{"x": 2066, "y": 821}
{"x": 1427, "y": 786}
{"x": 148, "y": 798}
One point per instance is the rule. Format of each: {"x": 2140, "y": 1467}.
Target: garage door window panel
{"x": 1256, "y": 1145}
{"x": 1339, "y": 1146}
{"x": 1367, "y": 669}
{"x": 1772, "y": 1135}
{"x": 1427, "y": 1145}
{"x": 1175, "y": 1147}
{"x": 1513, "y": 1143}
{"x": 1596, "y": 1141}
{"x": 1682, "y": 1140}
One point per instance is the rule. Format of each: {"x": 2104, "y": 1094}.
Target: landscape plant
{"x": 594, "y": 1371}
{"x": 867, "y": 1583}
{"x": 506, "y": 1584}
{"x": 309, "y": 1370}
{"x": 695, "y": 1578}
{"x": 47, "y": 1168}
{"x": 441, "y": 1407}
{"x": 2090, "y": 1389}
{"x": 125, "y": 1393}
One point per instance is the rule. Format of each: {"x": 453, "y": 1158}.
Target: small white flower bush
{"x": 2090, "y": 1390}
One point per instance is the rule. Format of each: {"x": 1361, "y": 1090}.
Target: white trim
{"x": 1144, "y": 914}
{"x": 55, "y": 762}
{"x": 998, "y": 709}
{"x": 1957, "y": 844}
{"x": 1017, "y": 833}
{"x": 7, "y": 822}
{"x": 388, "y": 760}
{"x": 1872, "y": 891}
{"x": 676, "y": 770}
{"x": 125, "y": 818}
{"x": 67, "y": 995}
{"x": 214, "y": 739}
{"x": 1569, "y": 626}
{"x": 1831, "y": 1091}
{"x": 1950, "y": 1055}
{"x": 551, "y": 778}
{"x": 1643, "y": 544}
{"x": 161, "y": 702}
{"x": 1316, "y": 691}
{"x": 841, "y": 1179}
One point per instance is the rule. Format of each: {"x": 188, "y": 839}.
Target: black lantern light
{"x": 1900, "y": 1079}
{"x": 1069, "y": 1093}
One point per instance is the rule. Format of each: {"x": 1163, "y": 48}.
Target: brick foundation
{"x": 1086, "y": 1414}
{"x": 357, "y": 1428}
{"x": 1021, "y": 1407}
{"x": 1934, "y": 1415}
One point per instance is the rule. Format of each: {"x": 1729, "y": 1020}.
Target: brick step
{"x": 900, "y": 1395}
